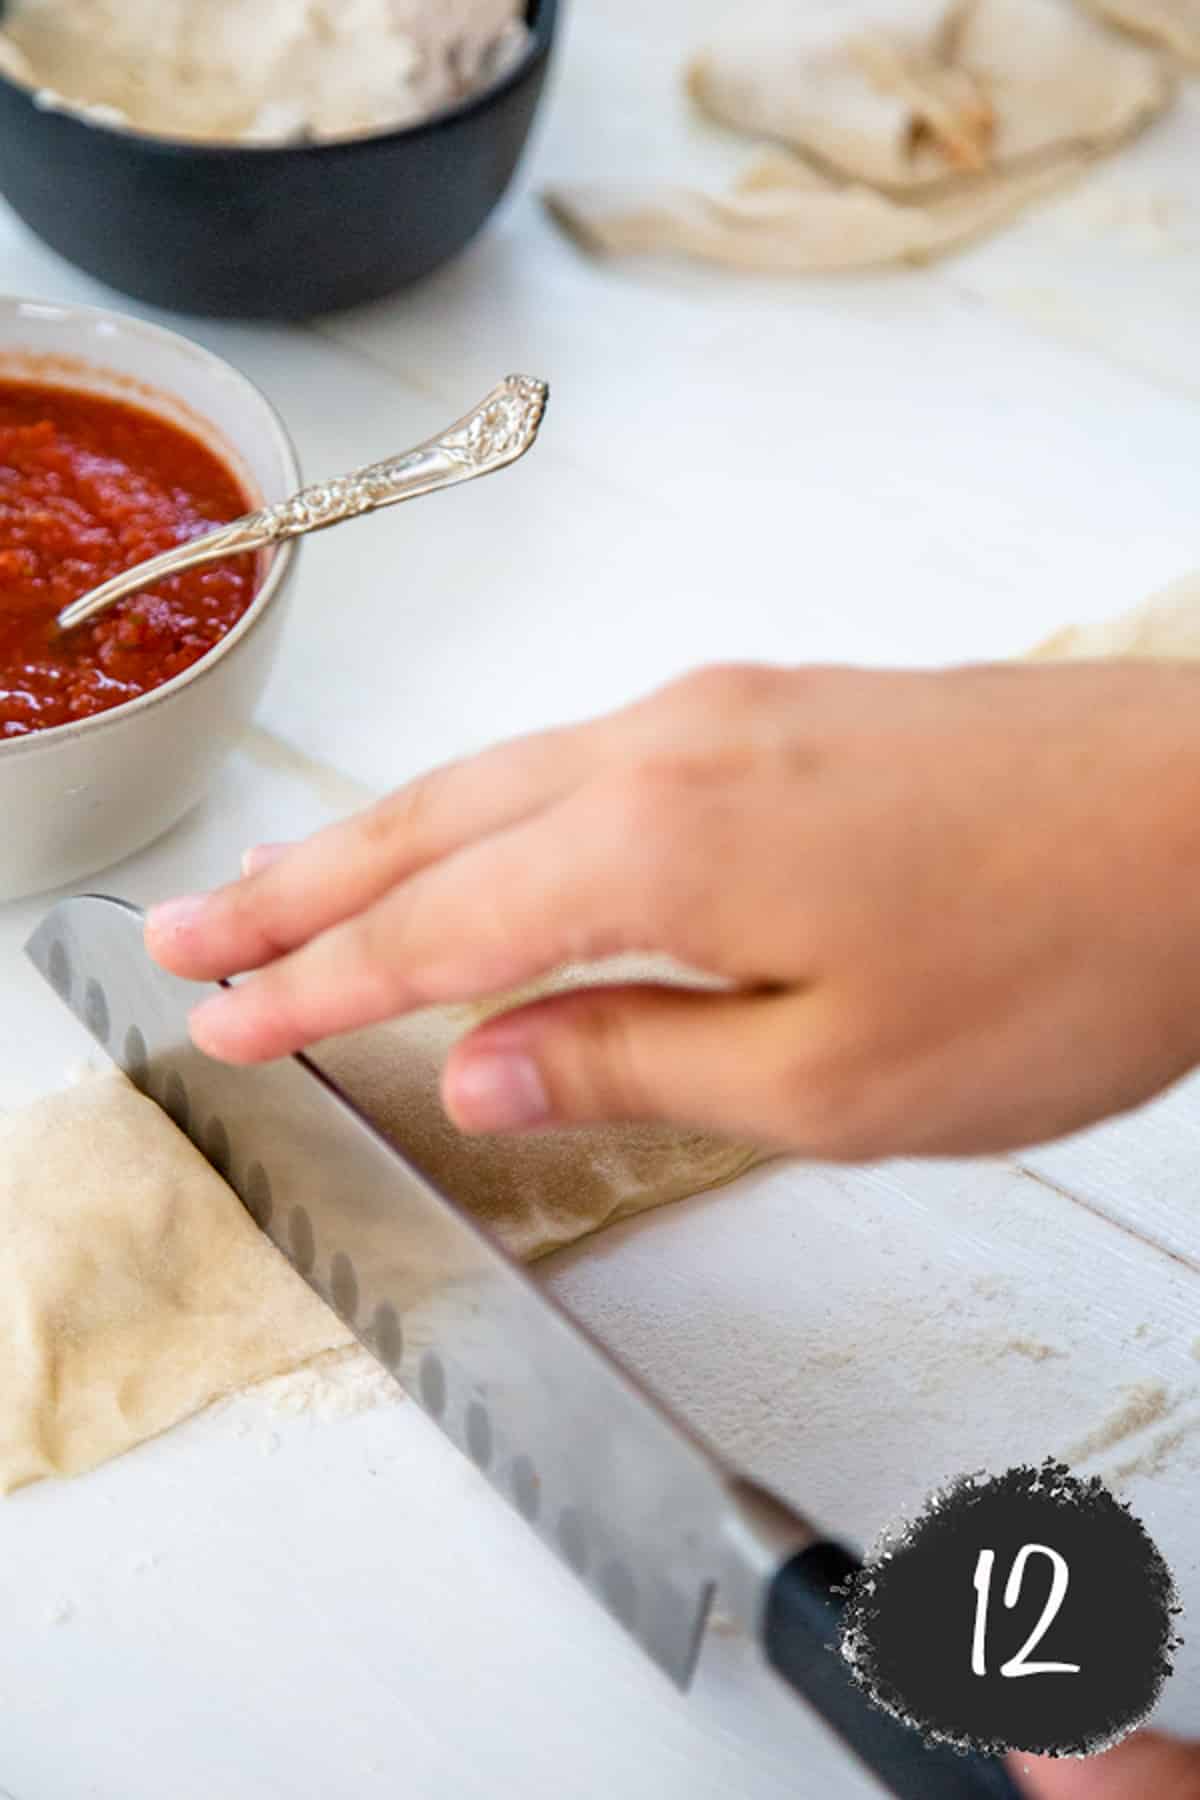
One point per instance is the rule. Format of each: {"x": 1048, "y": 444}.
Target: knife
{"x": 646, "y": 1516}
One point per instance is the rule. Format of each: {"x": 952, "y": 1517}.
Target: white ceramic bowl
{"x": 75, "y": 798}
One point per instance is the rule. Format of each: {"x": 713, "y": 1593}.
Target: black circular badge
{"x": 1026, "y": 1611}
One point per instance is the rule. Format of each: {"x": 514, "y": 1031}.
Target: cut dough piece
{"x": 136, "y": 1288}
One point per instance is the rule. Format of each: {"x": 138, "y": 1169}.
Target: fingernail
{"x": 499, "y": 1091}
{"x": 201, "y": 1021}
{"x": 170, "y": 917}
{"x": 261, "y": 856}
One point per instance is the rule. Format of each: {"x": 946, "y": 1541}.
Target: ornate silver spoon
{"x": 496, "y": 433}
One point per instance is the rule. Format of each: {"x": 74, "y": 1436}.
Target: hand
{"x": 958, "y": 911}
{"x": 1146, "y": 1766}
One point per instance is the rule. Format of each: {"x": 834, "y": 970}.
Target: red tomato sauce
{"x": 88, "y": 487}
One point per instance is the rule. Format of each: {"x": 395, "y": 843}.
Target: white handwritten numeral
{"x": 1017, "y": 1665}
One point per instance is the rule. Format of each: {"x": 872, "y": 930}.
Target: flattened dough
{"x": 536, "y": 1193}
{"x": 134, "y": 1286}
{"x": 135, "y": 1289}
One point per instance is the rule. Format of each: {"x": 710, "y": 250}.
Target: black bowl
{"x": 268, "y": 231}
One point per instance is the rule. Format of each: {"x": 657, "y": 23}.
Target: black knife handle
{"x": 801, "y": 1633}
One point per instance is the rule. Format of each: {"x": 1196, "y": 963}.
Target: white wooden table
{"x": 907, "y": 468}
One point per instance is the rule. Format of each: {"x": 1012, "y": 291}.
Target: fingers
{"x": 641, "y": 1053}
{"x": 490, "y": 917}
{"x": 291, "y": 893}
{"x": 261, "y": 856}
{"x": 1145, "y": 1764}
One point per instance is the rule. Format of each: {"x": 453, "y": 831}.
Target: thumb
{"x": 1145, "y": 1765}
{"x": 624, "y": 1053}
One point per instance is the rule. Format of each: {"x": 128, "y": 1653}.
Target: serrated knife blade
{"x": 644, "y": 1514}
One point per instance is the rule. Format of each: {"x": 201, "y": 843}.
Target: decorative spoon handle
{"x": 496, "y": 433}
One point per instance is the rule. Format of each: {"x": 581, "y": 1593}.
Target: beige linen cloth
{"x": 901, "y": 138}
{"x": 135, "y": 1289}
